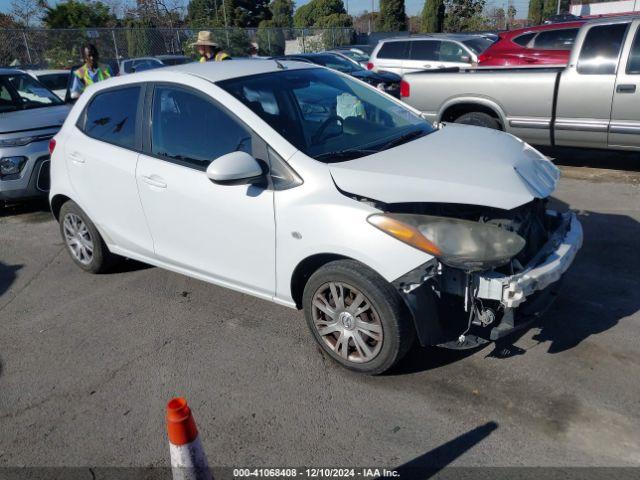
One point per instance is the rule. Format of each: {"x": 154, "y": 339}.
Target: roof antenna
{"x": 280, "y": 65}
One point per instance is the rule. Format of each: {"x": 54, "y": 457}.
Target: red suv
{"x": 543, "y": 45}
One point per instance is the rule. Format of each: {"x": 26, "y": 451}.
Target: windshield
{"x": 478, "y": 45}
{"x": 54, "y": 81}
{"x": 336, "y": 62}
{"x": 328, "y": 116}
{"x": 21, "y": 92}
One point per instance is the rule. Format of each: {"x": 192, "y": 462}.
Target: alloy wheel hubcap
{"x": 347, "y": 322}
{"x": 78, "y": 238}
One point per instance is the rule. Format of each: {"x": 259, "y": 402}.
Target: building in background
{"x": 620, "y": 7}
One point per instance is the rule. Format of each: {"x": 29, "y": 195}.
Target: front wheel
{"x": 479, "y": 119}
{"x": 357, "y": 317}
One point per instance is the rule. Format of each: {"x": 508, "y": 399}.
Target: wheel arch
{"x": 56, "y": 204}
{"x": 306, "y": 268}
{"x": 452, "y": 109}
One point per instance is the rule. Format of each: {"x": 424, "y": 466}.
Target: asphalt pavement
{"x": 87, "y": 363}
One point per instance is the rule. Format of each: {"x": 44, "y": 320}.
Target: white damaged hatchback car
{"x": 309, "y": 188}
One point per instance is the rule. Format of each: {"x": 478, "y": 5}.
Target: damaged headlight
{"x": 462, "y": 244}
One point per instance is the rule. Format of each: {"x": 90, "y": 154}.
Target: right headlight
{"x": 463, "y": 244}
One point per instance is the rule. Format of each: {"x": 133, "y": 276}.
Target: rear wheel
{"x": 479, "y": 119}
{"x": 83, "y": 241}
{"x": 357, "y": 317}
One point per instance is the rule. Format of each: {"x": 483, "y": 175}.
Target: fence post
{"x": 304, "y": 48}
{"x": 269, "y": 40}
{"x": 26, "y": 45}
{"x": 115, "y": 44}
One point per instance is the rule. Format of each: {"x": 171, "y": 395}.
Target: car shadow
{"x": 430, "y": 463}
{"x": 32, "y": 207}
{"x": 582, "y": 157}
{"x": 7, "y": 276}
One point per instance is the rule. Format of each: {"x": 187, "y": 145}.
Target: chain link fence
{"x": 60, "y": 48}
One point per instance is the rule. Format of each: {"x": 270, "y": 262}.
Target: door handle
{"x": 154, "y": 181}
{"x": 427, "y": 65}
{"x": 76, "y": 157}
{"x": 628, "y": 88}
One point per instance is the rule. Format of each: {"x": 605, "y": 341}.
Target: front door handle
{"x": 427, "y": 65}
{"x": 154, "y": 181}
{"x": 627, "y": 88}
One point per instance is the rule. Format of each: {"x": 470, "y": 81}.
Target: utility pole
{"x": 371, "y": 17}
{"x": 558, "y": 12}
{"x": 226, "y": 26}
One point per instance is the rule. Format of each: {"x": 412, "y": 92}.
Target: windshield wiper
{"x": 346, "y": 154}
{"x": 403, "y": 139}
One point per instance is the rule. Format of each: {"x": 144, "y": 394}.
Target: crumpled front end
{"x": 449, "y": 305}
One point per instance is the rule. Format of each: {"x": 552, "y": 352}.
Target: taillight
{"x": 369, "y": 66}
{"x": 52, "y": 145}
{"x": 405, "y": 89}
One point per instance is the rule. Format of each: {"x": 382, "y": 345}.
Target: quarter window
{"x": 633, "y": 66}
{"x": 111, "y": 116}
{"x": 601, "y": 48}
{"x": 425, "y": 50}
{"x": 523, "y": 40}
{"x": 192, "y": 130}
{"x": 394, "y": 50}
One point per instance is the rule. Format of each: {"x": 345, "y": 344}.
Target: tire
{"x": 388, "y": 331}
{"x": 479, "y": 119}
{"x": 84, "y": 243}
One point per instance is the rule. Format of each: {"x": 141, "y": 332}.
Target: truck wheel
{"x": 479, "y": 119}
{"x": 84, "y": 243}
{"x": 357, "y": 317}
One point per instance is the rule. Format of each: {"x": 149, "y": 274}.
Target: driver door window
{"x": 190, "y": 130}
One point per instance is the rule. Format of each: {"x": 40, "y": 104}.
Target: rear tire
{"x": 84, "y": 243}
{"x": 479, "y": 119}
{"x": 357, "y": 317}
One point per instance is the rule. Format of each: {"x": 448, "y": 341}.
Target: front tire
{"x": 84, "y": 243}
{"x": 479, "y": 119}
{"x": 357, "y": 317}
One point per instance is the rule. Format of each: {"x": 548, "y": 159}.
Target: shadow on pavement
{"x": 35, "y": 206}
{"x": 582, "y": 157}
{"x": 430, "y": 463}
{"x": 7, "y": 276}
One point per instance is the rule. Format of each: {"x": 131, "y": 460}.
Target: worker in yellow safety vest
{"x": 90, "y": 72}
{"x": 208, "y": 49}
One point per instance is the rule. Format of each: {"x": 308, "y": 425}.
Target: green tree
{"x": 282, "y": 13}
{"x": 511, "y": 14}
{"x": 201, "y": 13}
{"x": 432, "y": 16}
{"x": 74, "y": 14}
{"x": 392, "y": 16}
{"x": 270, "y": 38}
{"x": 313, "y": 13}
{"x": 536, "y": 8}
{"x": 549, "y": 9}
{"x": 464, "y": 15}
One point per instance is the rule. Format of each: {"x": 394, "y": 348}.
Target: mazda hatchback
{"x": 309, "y": 188}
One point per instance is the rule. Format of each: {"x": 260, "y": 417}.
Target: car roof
{"x": 211, "y": 71}
{"x": 542, "y": 28}
{"x": 434, "y": 36}
{"x": 50, "y": 72}
{"x": 10, "y": 71}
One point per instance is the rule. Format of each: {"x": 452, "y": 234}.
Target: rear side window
{"x": 394, "y": 50}
{"x": 561, "y": 39}
{"x": 111, "y": 116}
{"x": 193, "y": 131}
{"x": 633, "y": 66}
{"x": 54, "y": 81}
{"x": 452, "y": 52}
{"x": 523, "y": 40}
{"x": 601, "y": 48}
{"x": 425, "y": 50}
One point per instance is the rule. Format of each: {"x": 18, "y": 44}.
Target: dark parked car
{"x": 385, "y": 81}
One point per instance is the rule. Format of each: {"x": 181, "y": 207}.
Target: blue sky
{"x": 356, "y": 6}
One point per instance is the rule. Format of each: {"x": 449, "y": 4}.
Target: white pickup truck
{"x": 593, "y": 102}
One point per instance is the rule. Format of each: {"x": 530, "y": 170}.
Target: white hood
{"x": 456, "y": 164}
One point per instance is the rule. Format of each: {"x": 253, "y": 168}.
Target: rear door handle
{"x": 154, "y": 181}
{"x": 427, "y": 65}
{"x": 628, "y": 88}
{"x": 76, "y": 157}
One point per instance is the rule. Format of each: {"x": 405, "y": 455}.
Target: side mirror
{"x": 234, "y": 168}
{"x": 465, "y": 58}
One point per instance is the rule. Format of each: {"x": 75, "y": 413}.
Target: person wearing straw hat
{"x": 208, "y": 49}
{"x": 90, "y": 72}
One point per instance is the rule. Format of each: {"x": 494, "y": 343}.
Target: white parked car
{"x": 55, "y": 80}
{"x": 306, "y": 187}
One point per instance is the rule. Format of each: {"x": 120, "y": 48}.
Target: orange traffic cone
{"x": 188, "y": 460}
